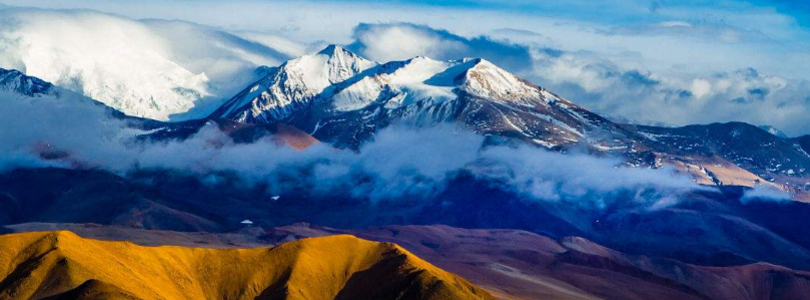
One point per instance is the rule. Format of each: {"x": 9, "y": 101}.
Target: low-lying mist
{"x": 400, "y": 163}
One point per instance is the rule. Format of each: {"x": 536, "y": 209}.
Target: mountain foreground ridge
{"x": 62, "y": 265}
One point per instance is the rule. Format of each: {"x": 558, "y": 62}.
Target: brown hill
{"x": 509, "y": 264}
{"x": 62, "y": 265}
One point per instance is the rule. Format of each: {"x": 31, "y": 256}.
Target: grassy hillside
{"x": 61, "y": 265}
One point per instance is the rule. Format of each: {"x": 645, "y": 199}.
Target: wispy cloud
{"x": 682, "y": 29}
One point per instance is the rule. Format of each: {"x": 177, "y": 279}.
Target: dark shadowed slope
{"x": 710, "y": 228}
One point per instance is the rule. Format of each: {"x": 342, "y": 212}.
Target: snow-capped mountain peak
{"x": 293, "y": 85}
{"x": 343, "y": 64}
{"x": 340, "y": 95}
{"x": 345, "y": 82}
{"x": 485, "y": 79}
{"x": 332, "y": 65}
{"x": 17, "y": 82}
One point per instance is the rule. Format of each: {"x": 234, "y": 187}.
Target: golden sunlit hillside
{"x": 62, "y": 265}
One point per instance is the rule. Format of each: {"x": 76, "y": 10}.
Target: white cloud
{"x": 111, "y": 59}
{"x": 677, "y": 98}
{"x": 700, "y": 88}
{"x": 401, "y": 42}
{"x": 146, "y": 68}
{"x": 275, "y": 41}
{"x": 765, "y": 193}
{"x": 674, "y": 24}
{"x": 699, "y": 31}
{"x": 572, "y": 26}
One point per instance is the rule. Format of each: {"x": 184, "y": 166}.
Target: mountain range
{"x": 342, "y": 99}
{"x": 715, "y": 242}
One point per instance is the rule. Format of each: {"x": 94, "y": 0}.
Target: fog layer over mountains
{"x": 174, "y": 70}
{"x": 401, "y": 162}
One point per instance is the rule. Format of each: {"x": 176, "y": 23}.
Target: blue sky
{"x": 798, "y": 9}
{"x": 613, "y": 11}
{"x": 773, "y": 34}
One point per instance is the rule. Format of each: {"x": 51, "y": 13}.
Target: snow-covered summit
{"x": 336, "y": 94}
{"x": 343, "y": 82}
{"x": 17, "y": 82}
{"x": 342, "y": 64}
{"x": 485, "y": 79}
{"x": 395, "y": 84}
{"x": 294, "y": 85}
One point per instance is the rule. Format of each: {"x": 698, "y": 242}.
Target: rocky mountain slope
{"x": 734, "y": 154}
{"x": 341, "y": 98}
{"x": 61, "y": 265}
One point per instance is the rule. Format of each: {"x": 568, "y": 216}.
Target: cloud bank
{"x": 401, "y": 163}
{"x": 765, "y": 193}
